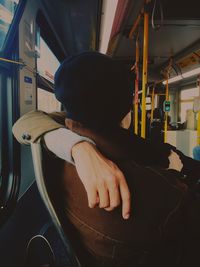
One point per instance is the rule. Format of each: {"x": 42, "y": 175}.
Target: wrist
{"x": 83, "y": 146}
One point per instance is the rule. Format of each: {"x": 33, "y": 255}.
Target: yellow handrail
{"x": 166, "y": 113}
{"x": 144, "y": 72}
{"x": 167, "y": 99}
{"x": 11, "y": 61}
{"x": 198, "y": 119}
{"x": 198, "y": 129}
{"x": 136, "y": 24}
{"x": 136, "y": 88}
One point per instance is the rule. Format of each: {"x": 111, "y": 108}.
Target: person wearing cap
{"x": 87, "y": 84}
{"x": 64, "y": 143}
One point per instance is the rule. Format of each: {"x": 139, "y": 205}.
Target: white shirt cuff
{"x": 61, "y": 141}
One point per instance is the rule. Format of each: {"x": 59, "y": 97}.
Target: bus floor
{"x": 27, "y": 220}
{"x": 31, "y": 217}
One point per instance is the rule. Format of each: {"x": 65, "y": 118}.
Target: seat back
{"x": 48, "y": 191}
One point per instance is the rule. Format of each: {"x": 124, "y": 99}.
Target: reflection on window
{"x": 0, "y": 131}
{"x": 189, "y": 93}
{"x": 187, "y": 100}
{"x": 184, "y": 108}
{"x": 47, "y": 101}
{"x": 7, "y": 10}
{"x": 47, "y": 63}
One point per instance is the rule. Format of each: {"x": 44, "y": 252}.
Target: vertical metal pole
{"x": 144, "y": 71}
{"x": 136, "y": 88}
{"x": 198, "y": 121}
{"x": 166, "y": 113}
{"x": 198, "y": 129}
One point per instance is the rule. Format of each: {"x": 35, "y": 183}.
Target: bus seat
{"x": 49, "y": 194}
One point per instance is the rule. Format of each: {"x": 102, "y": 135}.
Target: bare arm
{"x": 175, "y": 162}
{"x": 104, "y": 183}
{"x": 93, "y": 168}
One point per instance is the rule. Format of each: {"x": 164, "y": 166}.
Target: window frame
{"x": 7, "y": 46}
{"x": 9, "y": 101}
{"x": 49, "y": 38}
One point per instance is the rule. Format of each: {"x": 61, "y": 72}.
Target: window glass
{"x": 0, "y": 132}
{"x": 7, "y": 11}
{"x": 184, "y": 107}
{"x": 47, "y": 62}
{"x": 47, "y": 101}
{"x": 187, "y": 100}
{"x": 189, "y": 93}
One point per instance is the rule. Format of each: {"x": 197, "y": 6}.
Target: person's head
{"x": 94, "y": 89}
{"x": 158, "y": 114}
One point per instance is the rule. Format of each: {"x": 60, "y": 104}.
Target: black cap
{"x": 94, "y": 89}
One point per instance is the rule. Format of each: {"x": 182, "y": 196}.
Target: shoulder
{"x": 32, "y": 125}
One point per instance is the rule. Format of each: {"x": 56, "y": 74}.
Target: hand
{"x": 174, "y": 161}
{"x": 104, "y": 183}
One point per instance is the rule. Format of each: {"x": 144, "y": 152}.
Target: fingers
{"x": 98, "y": 197}
{"x": 103, "y": 196}
{"x": 93, "y": 198}
{"x": 109, "y": 195}
{"x": 111, "y": 198}
{"x": 126, "y": 199}
{"x": 114, "y": 195}
{"x": 103, "y": 181}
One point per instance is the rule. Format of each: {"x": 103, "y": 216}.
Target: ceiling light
{"x": 174, "y": 79}
{"x": 191, "y": 73}
{"x": 184, "y": 75}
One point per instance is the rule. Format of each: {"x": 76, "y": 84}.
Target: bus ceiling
{"x": 105, "y": 25}
{"x": 76, "y": 23}
{"x": 177, "y": 36}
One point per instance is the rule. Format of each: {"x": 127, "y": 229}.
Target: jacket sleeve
{"x": 150, "y": 153}
{"x": 31, "y": 126}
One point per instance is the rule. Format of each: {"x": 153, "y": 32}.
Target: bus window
{"x": 186, "y": 101}
{"x": 7, "y": 11}
{"x": 1, "y": 127}
{"x": 47, "y": 64}
{"x": 46, "y": 101}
